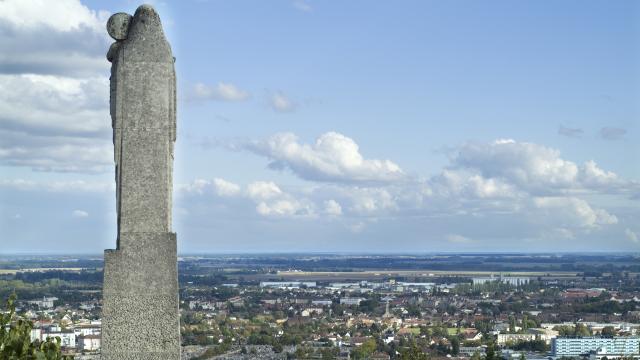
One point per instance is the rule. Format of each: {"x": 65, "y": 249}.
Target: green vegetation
{"x": 63, "y": 285}
{"x": 576, "y": 330}
{"x": 365, "y": 350}
{"x": 533, "y": 345}
{"x": 15, "y": 343}
{"x": 413, "y": 353}
{"x": 213, "y": 351}
{"x": 605, "y": 307}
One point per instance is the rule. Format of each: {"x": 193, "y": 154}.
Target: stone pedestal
{"x": 141, "y": 299}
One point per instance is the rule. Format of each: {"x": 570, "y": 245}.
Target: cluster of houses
{"x": 409, "y": 308}
{"x": 82, "y": 336}
{"x": 78, "y": 329}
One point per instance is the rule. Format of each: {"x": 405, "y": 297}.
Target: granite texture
{"x": 140, "y": 305}
{"x": 118, "y": 26}
{"x": 140, "y": 316}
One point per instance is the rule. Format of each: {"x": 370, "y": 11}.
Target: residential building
{"x": 610, "y": 347}
{"x": 287, "y": 284}
{"x": 89, "y": 342}
{"x": 350, "y": 301}
{"x": 511, "y": 280}
{"x": 503, "y": 339}
{"x": 322, "y": 302}
{"x": 45, "y": 303}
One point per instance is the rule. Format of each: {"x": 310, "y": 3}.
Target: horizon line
{"x": 351, "y": 253}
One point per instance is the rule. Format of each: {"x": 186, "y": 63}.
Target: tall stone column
{"x": 140, "y": 316}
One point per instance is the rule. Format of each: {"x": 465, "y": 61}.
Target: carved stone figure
{"x": 140, "y": 308}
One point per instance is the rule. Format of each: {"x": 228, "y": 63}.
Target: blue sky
{"x": 406, "y": 126}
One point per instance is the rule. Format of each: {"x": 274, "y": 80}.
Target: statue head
{"x": 118, "y": 26}
{"x": 143, "y": 26}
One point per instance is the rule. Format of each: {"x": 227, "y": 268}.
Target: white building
{"x": 89, "y": 343}
{"x": 511, "y": 280}
{"x": 446, "y": 288}
{"x": 67, "y": 338}
{"x": 204, "y": 305}
{"x": 287, "y": 284}
{"x": 503, "y": 339}
{"x": 420, "y": 285}
{"x": 87, "y": 329}
{"x": 543, "y": 334}
{"x": 321, "y": 302}
{"x": 311, "y": 311}
{"x": 87, "y": 306}
{"x": 610, "y": 347}
{"x": 36, "y": 334}
{"x": 344, "y": 286}
{"x": 350, "y": 301}
{"x": 471, "y": 350}
{"x": 45, "y": 303}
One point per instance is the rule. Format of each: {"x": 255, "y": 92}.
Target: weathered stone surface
{"x": 118, "y": 25}
{"x": 113, "y": 50}
{"x": 140, "y": 307}
{"x": 145, "y": 264}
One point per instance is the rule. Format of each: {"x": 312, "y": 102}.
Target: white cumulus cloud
{"x": 332, "y": 207}
{"x": 225, "y": 188}
{"x": 333, "y": 157}
{"x": 461, "y": 183}
{"x": 458, "y": 239}
{"x": 52, "y": 37}
{"x": 272, "y": 201}
{"x": 54, "y": 87}
{"x": 592, "y": 175}
{"x": 372, "y": 200}
{"x": 263, "y": 190}
{"x": 283, "y": 207}
{"x": 66, "y": 15}
{"x": 531, "y": 167}
{"x": 281, "y": 103}
{"x": 79, "y": 214}
{"x": 77, "y": 186}
{"x": 222, "y": 91}
{"x": 572, "y": 212}
{"x": 499, "y": 189}
{"x": 528, "y": 165}
{"x": 217, "y": 186}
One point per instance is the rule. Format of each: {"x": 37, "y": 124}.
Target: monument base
{"x": 140, "y": 311}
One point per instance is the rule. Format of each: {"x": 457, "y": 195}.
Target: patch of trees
{"x": 533, "y": 345}
{"x": 369, "y": 305}
{"x": 365, "y": 350}
{"x": 576, "y": 330}
{"x": 605, "y": 307}
{"x": 50, "y": 287}
{"x": 84, "y": 276}
{"x": 202, "y": 280}
{"x": 214, "y": 351}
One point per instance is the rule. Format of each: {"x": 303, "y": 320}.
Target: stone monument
{"x": 140, "y": 316}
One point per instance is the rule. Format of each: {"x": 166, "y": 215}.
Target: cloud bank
{"x": 528, "y": 191}
{"x": 54, "y": 87}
